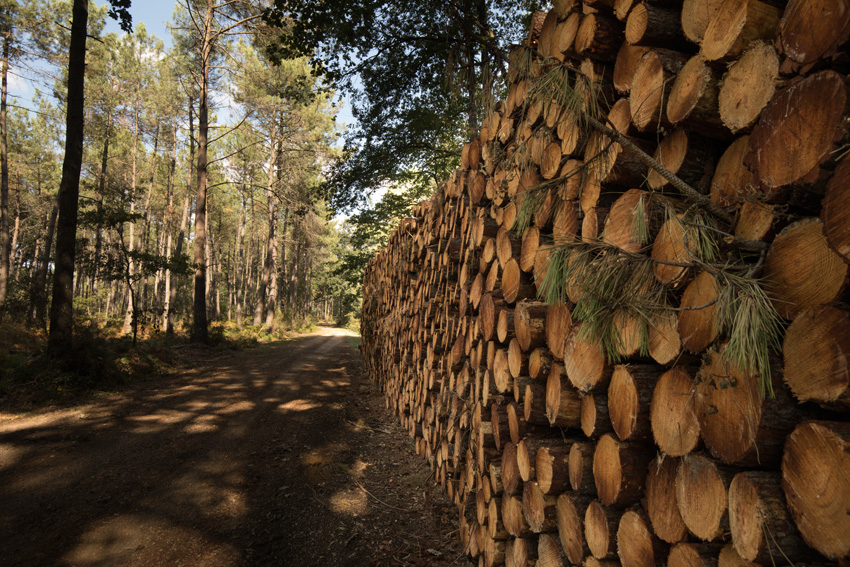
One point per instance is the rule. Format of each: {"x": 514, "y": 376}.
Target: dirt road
{"x": 280, "y": 455}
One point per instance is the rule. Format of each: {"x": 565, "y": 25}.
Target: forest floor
{"x": 279, "y": 455}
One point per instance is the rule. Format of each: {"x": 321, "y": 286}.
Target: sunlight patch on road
{"x": 158, "y": 422}
{"x": 211, "y": 492}
{"x": 131, "y": 539}
{"x": 298, "y": 405}
{"x": 244, "y": 405}
{"x": 324, "y": 455}
{"x": 203, "y": 424}
{"x": 351, "y": 502}
{"x": 9, "y": 455}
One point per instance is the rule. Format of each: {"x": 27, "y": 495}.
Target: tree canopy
{"x": 419, "y": 76}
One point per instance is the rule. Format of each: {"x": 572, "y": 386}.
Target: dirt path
{"x": 279, "y": 455}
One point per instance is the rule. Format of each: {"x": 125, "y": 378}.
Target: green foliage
{"x": 413, "y": 72}
{"x": 609, "y": 282}
{"x": 747, "y": 317}
{"x": 100, "y": 361}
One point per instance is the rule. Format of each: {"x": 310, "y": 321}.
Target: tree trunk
{"x": 13, "y": 263}
{"x": 268, "y": 262}
{"x": 39, "y": 288}
{"x": 130, "y": 313}
{"x": 98, "y": 235}
{"x": 62, "y": 310}
{"x": 239, "y": 269}
{"x": 199, "y": 309}
{"x": 5, "y": 248}
{"x": 168, "y": 228}
{"x": 178, "y": 252}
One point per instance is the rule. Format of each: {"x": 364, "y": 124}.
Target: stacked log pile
{"x": 572, "y": 424}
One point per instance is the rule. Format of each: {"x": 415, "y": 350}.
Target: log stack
{"x": 559, "y": 448}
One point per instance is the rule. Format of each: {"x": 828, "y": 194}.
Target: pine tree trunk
{"x": 4, "y": 174}
{"x": 129, "y": 314}
{"x": 39, "y": 288}
{"x": 199, "y": 309}
{"x": 61, "y": 310}
{"x": 168, "y": 230}
{"x": 98, "y": 234}
{"x": 268, "y": 263}
{"x": 13, "y": 263}
{"x": 239, "y": 270}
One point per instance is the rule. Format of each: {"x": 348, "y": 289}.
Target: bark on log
{"x": 694, "y": 99}
{"x": 655, "y": 25}
{"x": 552, "y": 468}
{"x": 629, "y": 398}
{"x": 651, "y": 85}
{"x": 563, "y": 402}
{"x": 759, "y": 521}
{"x": 619, "y": 471}
{"x": 539, "y": 509}
{"x": 637, "y": 546}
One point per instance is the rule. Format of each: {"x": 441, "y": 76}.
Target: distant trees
{"x": 150, "y": 150}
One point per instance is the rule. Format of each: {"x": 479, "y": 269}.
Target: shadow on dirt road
{"x": 278, "y": 455}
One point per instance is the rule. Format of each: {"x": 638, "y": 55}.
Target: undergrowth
{"x": 98, "y": 360}
{"x": 103, "y": 359}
